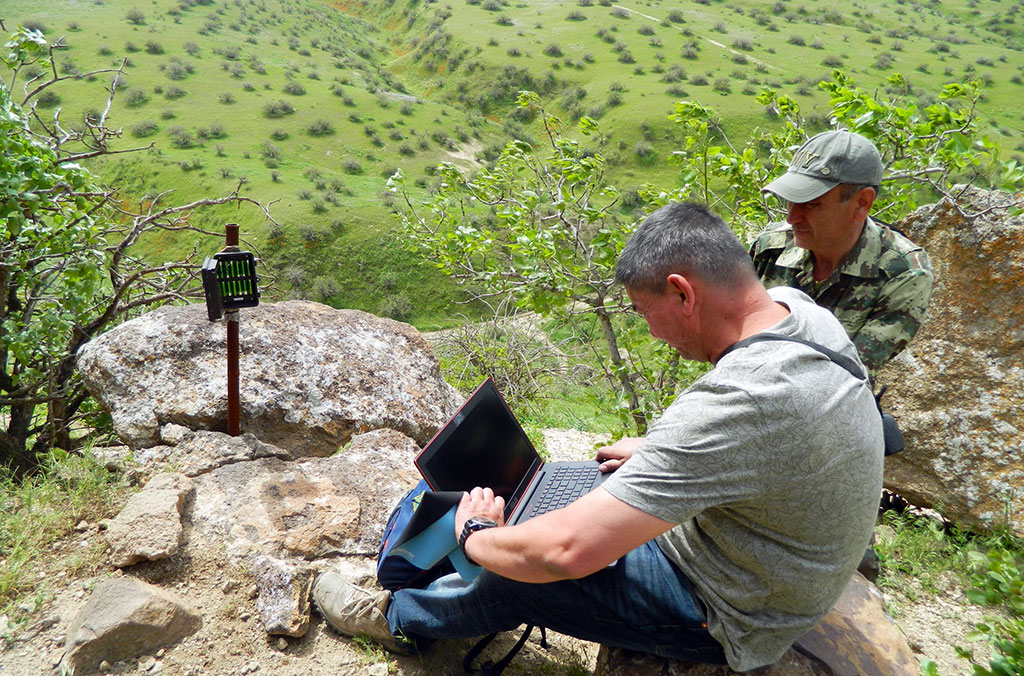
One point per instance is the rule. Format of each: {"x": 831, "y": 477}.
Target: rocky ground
{"x": 232, "y": 640}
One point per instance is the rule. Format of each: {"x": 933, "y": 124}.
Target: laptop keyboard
{"x": 565, "y": 484}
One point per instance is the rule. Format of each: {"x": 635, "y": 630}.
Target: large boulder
{"x": 958, "y": 389}
{"x": 311, "y": 376}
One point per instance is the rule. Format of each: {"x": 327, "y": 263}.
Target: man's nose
{"x": 794, "y": 212}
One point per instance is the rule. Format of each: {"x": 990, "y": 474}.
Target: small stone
{"x": 157, "y": 667}
{"x": 282, "y": 643}
{"x": 378, "y": 669}
{"x": 146, "y": 663}
{"x": 83, "y": 526}
{"x": 253, "y": 591}
{"x": 160, "y": 653}
{"x": 244, "y": 616}
{"x": 229, "y": 586}
{"x": 26, "y": 607}
{"x": 104, "y": 666}
{"x": 252, "y": 667}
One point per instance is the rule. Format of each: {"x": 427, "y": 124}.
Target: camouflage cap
{"x": 825, "y": 161}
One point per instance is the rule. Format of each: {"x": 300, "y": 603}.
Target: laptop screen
{"x": 482, "y": 445}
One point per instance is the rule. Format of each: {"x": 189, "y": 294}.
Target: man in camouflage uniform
{"x": 873, "y": 279}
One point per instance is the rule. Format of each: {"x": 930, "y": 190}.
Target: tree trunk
{"x": 625, "y": 384}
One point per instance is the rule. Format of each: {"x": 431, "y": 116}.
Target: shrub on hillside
{"x": 144, "y": 129}
{"x": 295, "y": 89}
{"x": 278, "y": 108}
{"x": 320, "y": 127}
{"x": 48, "y": 99}
{"x": 136, "y": 98}
{"x": 174, "y": 70}
{"x": 215, "y": 130}
{"x": 180, "y": 137}
{"x": 135, "y": 16}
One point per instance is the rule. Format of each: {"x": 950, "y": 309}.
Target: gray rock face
{"x": 149, "y": 527}
{"x": 311, "y": 376}
{"x": 958, "y": 389}
{"x": 125, "y": 618}
{"x": 310, "y": 508}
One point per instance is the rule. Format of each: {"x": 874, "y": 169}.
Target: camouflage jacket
{"x": 879, "y": 293}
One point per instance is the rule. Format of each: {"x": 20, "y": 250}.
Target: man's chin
{"x": 803, "y": 239}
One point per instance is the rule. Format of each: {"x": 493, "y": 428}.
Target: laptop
{"x": 484, "y": 445}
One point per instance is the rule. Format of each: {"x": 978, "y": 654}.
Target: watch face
{"x": 477, "y": 522}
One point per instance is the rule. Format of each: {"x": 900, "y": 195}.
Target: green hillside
{"x": 313, "y": 105}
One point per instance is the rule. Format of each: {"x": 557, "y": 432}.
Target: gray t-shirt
{"x": 771, "y": 464}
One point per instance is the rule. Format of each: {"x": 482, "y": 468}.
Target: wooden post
{"x": 231, "y": 317}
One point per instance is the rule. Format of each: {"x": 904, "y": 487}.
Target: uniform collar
{"x": 862, "y": 261}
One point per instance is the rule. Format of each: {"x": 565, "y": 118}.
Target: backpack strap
{"x": 489, "y": 668}
{"x": 893, "y": 437}
{"x": 842, "y": 360}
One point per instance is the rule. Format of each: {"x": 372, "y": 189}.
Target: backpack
{"x": 395, "y": 572}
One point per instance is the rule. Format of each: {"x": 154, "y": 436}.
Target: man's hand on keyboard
{"x": 612, "y": 457}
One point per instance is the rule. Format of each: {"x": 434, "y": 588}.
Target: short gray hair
{"x": 848, "y": 190}
{"x": 688, "y": 239}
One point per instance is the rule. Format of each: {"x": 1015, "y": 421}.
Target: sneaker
{"x": 354, "y": 611}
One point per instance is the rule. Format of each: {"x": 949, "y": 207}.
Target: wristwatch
{"x": 472, "y": 525}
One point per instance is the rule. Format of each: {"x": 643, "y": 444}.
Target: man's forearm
{"x": 565, "y": 544}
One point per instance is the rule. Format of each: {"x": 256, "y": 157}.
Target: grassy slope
{"x": 401, "y": 84}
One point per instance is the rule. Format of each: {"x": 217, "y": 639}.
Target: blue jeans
{"x": 641, "y": 603}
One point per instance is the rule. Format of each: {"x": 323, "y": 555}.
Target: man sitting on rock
{"x": 876, "y": 281}
{"x": 726, "y": 533}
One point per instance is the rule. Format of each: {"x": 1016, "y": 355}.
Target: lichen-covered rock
{"x": 311, "y": 376}
{"x": 958, "y": 389}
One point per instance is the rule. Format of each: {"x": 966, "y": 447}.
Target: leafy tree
{"x": 67, "y": 266}
{"x": 926, "y": 150}
{"x": 543, "y": 227}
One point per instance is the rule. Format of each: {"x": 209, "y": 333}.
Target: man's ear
{"x": 682, "y": 286}
{"x": 865, "y": 199}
